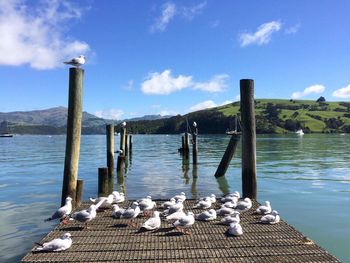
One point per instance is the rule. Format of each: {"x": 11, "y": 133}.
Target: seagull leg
{"x": 133, "y": 224}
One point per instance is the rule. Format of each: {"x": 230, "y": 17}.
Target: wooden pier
{"x": 112, "y": 240}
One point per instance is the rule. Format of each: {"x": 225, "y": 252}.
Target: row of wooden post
{"x": 74, "y": 188}
{"x": 185, "y": 148}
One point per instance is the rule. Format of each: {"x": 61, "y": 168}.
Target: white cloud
{"x": 164, "y": 83}
{"x": 35, "y": 36}
{"x": 203, "y": 105}
{"x": 342, "y": 93}
{"x": 317, "y": 88}
{"x": 168, "y": 13}
{"x": 293, "y": 29}
{"x": 192, "y": 11}
{"x": 113, "y": 114}
{"x": 167, "y": 112}
{"x": 216, "y": 84}
{"x": 262, "y": 35}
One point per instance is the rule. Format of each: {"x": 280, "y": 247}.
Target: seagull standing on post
{"x": 76, "y": 62}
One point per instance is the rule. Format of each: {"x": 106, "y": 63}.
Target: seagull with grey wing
{"x": 206, "y": 215}
{"x": 86, "y": 215}
{"x": 57, "y": 244}
{"x": 184, "y": 222}
{"x": 63, "y": 211}
{"x": 153, "y": 222}
{"x": 76, "y": 62}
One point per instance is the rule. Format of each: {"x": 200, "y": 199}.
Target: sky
{"x": 171, "y": 57}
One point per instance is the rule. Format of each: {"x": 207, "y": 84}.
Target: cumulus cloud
{"x": 317, "y": 88}
{"x": 112, "y": 114}
{"x": 169, "y": 11}
{"x": 35, "y": 35}
{"x": 262, "y": 35}
{"x": 342, "y": 93}
{"x": 203, "y": 105}
{"x": 216, "y": 84}
{"x": 164, "y": 83}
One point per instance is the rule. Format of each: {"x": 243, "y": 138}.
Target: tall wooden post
{"x": 102, "y": 181}
{"x": 126, "y": 144}
{"x": 226, "y": 159}
{"x": 110, "y": 156}
{"x": 186, "y": 145}
{"x": 130, "y": 145}
{"x": 79, "y": 196}
{"x": 248, "y": 139}
{"x": 122, "y": 138}
{"x": 71, "y": 162}
{"x": 194, "y": 143}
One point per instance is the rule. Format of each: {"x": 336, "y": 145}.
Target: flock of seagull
{"x": 172, "y": 211}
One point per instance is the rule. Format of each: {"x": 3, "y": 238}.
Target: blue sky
{"x": 171, "y": 57}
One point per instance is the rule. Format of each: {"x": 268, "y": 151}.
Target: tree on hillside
{"x": 321, "y": 99}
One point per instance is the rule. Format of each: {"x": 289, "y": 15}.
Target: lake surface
{"x": 306, "y": 178}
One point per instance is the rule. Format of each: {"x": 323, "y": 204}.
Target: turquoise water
{"x": 307, "y": 179}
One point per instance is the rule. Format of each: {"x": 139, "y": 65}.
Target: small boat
{"x": 6, "y": 135}
{"x": 299, "y": 132}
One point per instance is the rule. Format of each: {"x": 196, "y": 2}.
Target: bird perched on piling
{"x": 153, "y": 222}
{"x": 235, "y": 229}
{"x": 57, "y": 244}
{"x": 264, "y": 209}
{"x": 86, "y": 215}
{"x": 271, "y": 219}
{"x": 76, "y": 62}
{"x": 63, "y": 211}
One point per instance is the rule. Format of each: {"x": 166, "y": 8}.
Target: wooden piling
{"x": 110, "y": 156}
{"x": 126, "y": 144}
{"x": 248, "y": 139}
{"x": 74, "y": 119}
{"x": 186, "y": 146}
{"x": 122, "y": 139}
{"x": 79, "y": 196}
{"x": 194, "y": 143}
{"x": 120, "y": 163}
{"x": 130, "y": 145}
{"x": 226, "y": 159}
{"x": 102, "y": 181}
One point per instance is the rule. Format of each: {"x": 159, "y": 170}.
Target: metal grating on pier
{"x": 112, "y": 240}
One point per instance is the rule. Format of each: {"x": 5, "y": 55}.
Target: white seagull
{"x": 232, "y": 218}
{"x": 271, "y": 219}
{"x": 63, "y": 211}
{"x": 178, "y": 206}
{"x": 117, "y": 211}
{"x": 223, "y": 211}
{"x": 206, "y": 215}
{"x": 184, "y": 222}
{"x": 166, "y": 204}
{"x": 57, "y": 244}
{"x": 120, "y": 198}
{"x": 176, "y": 216}
{"x": 85, "y": 216}
{"x": 264, "y": 209}
{"x": 204, "y": 204}
{"x": 76, "y": 62}
{"x": 235, "y": 229}
{"x": 181, "y": 196}
{"x": 131, "y": 213}
{"x": 153, "y": 222}
{"x": 244, "y": 205}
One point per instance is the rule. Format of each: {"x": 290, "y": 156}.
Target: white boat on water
{"x": 299, "y": 132}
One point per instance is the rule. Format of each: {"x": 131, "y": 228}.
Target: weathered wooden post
{"x": 110, "y": 156}
{"x": 79, "y": 196}
{"x": 194, "y": 181}
{"x": 130, "y": 144}
{"x": 121, "y": 157}
{"x": 102, "y": 181}
{"x": 194, "y": 143}
{"x": 248, "y": 139}
{"x": 126, "y": 144}
{"x": 226, "y": 159}
{"x": 75, "y": 113}
{"x": 186, "y": 145}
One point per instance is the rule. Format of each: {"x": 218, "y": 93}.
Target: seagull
{"x": 181, "y": 196}
{"x": 212, "y": 198}
{"x": 244, "y": 205}
{"x": 194, "y": 124}
{"x": 168, "y": 203}
{"x": 206, "y": 215}
{"x": 119, "y": 198}
{"x": 57, "y": 244}
{"x": 123, "y": 124}
{"x": 184, "y": 222}
{"x": 85, "y": 216}
{"x": 230, "y": 204}
{"x": 230, "y": 198}
{"x": 178, "y": 206}
{"x": 131, "y": 213}
{"x": 232, "y": 218}
{"x": 117, "y": 211}
{"x": 235, "y": 229}
{"x": 264, "y": 209}
{"x": 204, "y": 204}
{"x": 76, "y": 62}
{"x": 153, "y": 222}
{"x": 63, "y": 211}
{"x": 224, "y": 211}
{"x": 271, "y": 219}
{"x": 175, "y": 216}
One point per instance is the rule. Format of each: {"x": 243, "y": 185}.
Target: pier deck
{"x": 112, "y": 240}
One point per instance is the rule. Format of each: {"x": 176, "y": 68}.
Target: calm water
{"x": 307, "y": 179}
